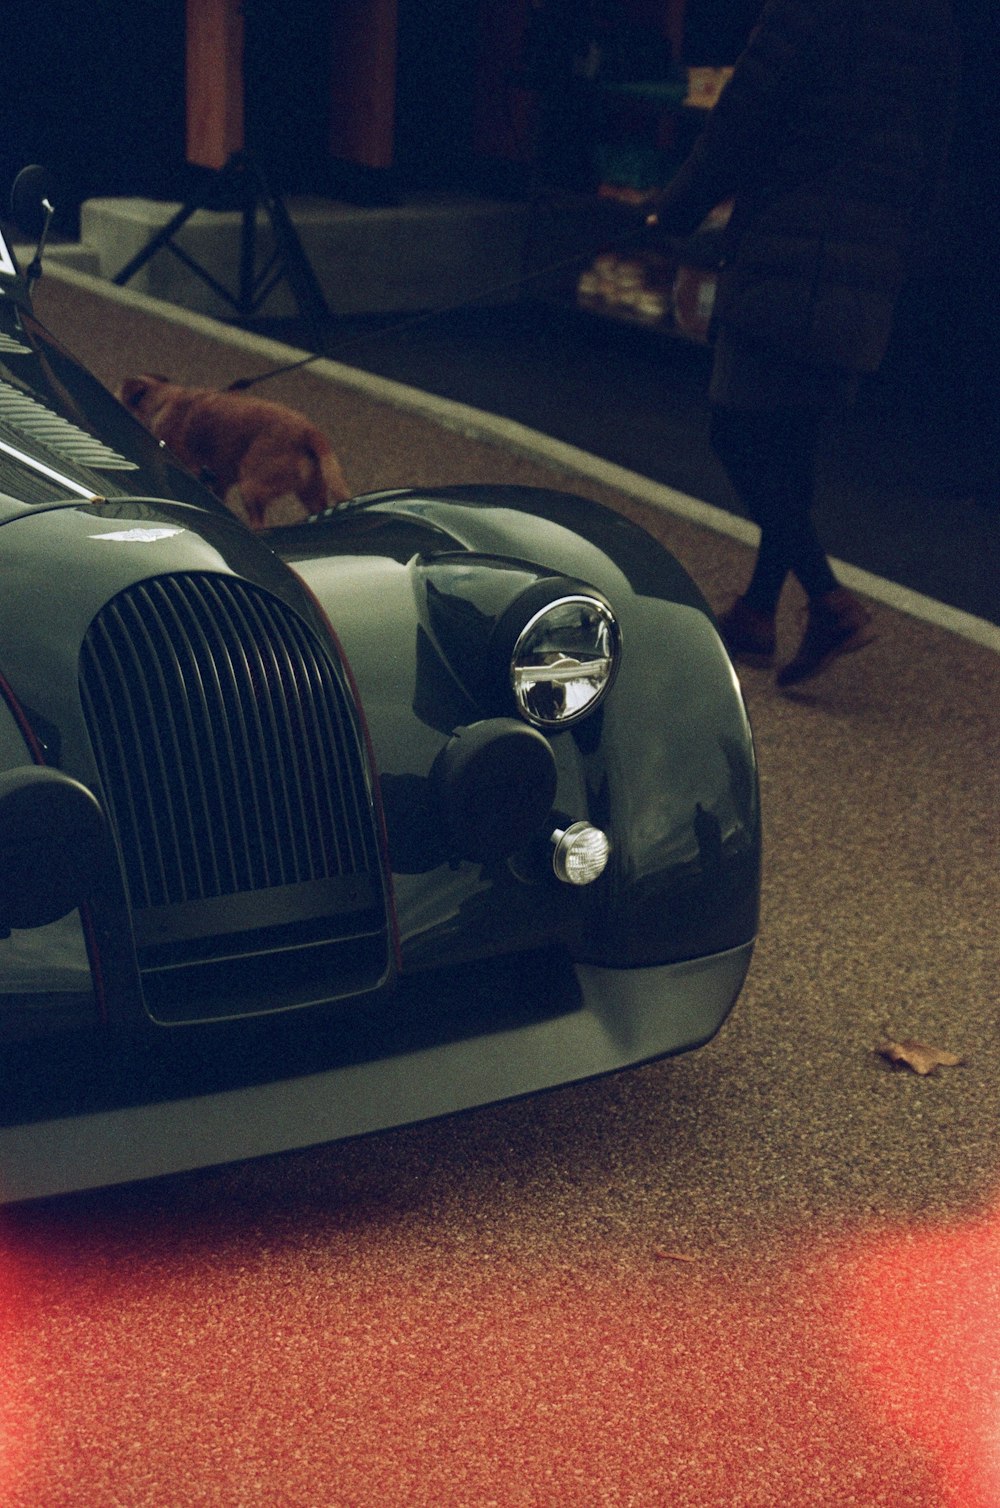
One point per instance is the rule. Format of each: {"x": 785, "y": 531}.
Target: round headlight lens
{"x": 580, "y": 853}
{"x": 564, "y": 660}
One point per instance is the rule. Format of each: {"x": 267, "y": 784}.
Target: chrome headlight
{"x": 564, "y": 660}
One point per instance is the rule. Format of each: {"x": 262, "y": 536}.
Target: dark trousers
{"x": 770, "y": 459}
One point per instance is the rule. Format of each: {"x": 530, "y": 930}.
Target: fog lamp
{"x": 580, "y": 853}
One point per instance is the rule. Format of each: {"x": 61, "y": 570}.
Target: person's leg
{"x": 837, "y": 624}
{"x": 770, "y": 457}
{"x": 746, "y": 443}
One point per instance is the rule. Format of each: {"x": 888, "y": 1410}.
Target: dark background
{"x": 97, "y": 94}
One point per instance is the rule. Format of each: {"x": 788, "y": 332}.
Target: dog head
{"x": 144, "y": 394}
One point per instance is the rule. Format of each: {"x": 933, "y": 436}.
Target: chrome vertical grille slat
{"x": 312, "y": 705}
{"x": 225, "y": 742}
{"x": 213, "y": 682}
{"x": 306, "y": 696}
{"x": 331, "y": 731}
{"x": 194, "y": 753}
{"x": 266, "y": 672}
{"x": 121, "y": 746}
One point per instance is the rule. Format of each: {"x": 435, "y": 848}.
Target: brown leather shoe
{"x": 837, "y": 625}
{"x": 747, "y": 634}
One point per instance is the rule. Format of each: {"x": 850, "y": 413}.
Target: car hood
{"x": 64, "y": 438}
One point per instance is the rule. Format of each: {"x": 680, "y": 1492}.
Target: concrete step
{"x": 417, "y": 255}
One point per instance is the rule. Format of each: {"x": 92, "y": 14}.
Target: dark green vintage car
{"x": 437, "y": 799}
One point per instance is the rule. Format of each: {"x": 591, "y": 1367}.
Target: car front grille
{"x": 233, "y": 771}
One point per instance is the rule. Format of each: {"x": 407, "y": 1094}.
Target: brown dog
{"x": 267, "y": 463}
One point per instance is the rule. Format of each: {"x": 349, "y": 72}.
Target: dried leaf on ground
{"x": 919, "y": 1057}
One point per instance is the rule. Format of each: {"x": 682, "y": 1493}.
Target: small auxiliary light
{"x": 580, "y": 853}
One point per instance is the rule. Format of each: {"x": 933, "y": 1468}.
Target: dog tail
{"x": 327, "y": 486}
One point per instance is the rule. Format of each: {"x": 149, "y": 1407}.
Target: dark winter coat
{"x": 831, "y": 137}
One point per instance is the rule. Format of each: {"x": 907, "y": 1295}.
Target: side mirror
{"x": 32, "y": 204}
{"x": 52, "y": 837}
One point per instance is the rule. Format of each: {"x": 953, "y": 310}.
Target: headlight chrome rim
{"x": 553, "y": 688}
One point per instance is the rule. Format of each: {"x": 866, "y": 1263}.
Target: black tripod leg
{"x": 243, "y": 181}
{"x": 246, "y": 303}
{"x": 156, "y": 244}
{"x": 298, "y": 270}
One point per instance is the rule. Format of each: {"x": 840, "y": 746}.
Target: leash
{"x": 415, "y": 321}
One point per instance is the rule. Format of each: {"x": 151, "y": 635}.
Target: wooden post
{"x": 675, "y": 28}
{"x": 363, "y": 82}
{"x": 503, "y": 109}
{"x": 214, "y": 67}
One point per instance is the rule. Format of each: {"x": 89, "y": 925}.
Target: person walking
{"x": 830, "y": 139}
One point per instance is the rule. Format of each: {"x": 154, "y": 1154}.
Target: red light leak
{"x": 227, "y": 1363}
{"x": 925, "y": 1327}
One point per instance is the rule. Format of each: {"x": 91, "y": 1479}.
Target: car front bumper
{"x": 620, "y": 1018}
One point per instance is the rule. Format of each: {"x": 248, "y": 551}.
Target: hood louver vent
{"x": 34, "y": 422}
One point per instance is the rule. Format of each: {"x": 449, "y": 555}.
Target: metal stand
{"x": 241, "y": 183}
